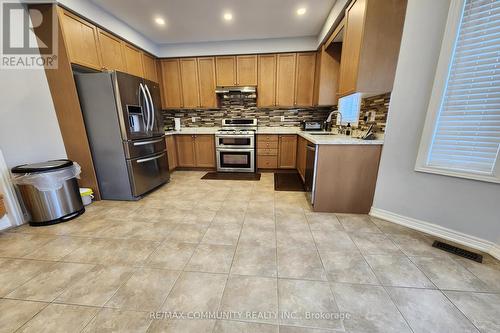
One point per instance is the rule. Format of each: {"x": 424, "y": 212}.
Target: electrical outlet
{"x": 193, "y": 119}
{"x": 282, "y": 118}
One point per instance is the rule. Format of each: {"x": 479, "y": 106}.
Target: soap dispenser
{"x": 348, "y": 129}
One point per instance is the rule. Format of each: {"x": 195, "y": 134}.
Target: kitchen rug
{"x": 232, "y": 176}
{"x": 289, "y": 181}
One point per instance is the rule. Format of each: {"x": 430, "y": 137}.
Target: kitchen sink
{"x": 325, "y": 133}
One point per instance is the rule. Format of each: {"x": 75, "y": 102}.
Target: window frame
{"x": 441, "y": 77}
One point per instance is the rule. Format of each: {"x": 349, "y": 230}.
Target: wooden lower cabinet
{"x": 287, "y": 157}
{"x": 195, "y": 151}
{"x": 301, "y": 156}
{"x": 171, "y": 152}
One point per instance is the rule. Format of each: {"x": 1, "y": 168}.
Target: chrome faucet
{"x": 328, "y": 122}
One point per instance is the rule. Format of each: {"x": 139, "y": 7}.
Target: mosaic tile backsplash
{"x": 271, "y": 117}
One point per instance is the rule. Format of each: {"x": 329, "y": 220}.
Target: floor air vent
{"x": 458, "y": 251}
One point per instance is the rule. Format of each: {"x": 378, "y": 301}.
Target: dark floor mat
{"x": 232, "y": 176}
{"x": 288, "y": 182}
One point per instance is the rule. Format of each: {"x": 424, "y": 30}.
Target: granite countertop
{"x": 316, "y": 139}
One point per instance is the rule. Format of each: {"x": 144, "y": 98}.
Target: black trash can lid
{"x": 42, "y": 166}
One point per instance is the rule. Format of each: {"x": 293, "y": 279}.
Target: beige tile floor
{"x": 240, "y": 249}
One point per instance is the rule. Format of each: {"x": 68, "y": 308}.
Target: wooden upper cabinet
{"x": 285, "y": 77}
{"x": 287, "y": 156}
{"x": 266, "y": 95}
{"x": 133, "y": 59}
{"x": 171, "y": 79}
{"x": 327, "y": 75}
{"x": 371, "y": 43}
{"x": 112, "y": 52}
{"x": 304, "y": 86}
{"x": 206, "y": 77}
{"x": 189, "y": 83}
{"x": 246, "y": 70}
{"x": 81, "y": 40}
{"x": 149, "y": 67}
{"x": 204, "y": 147}
{"x": 226, "y": 71}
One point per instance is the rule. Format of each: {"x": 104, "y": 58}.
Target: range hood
{"x": 226, "y": 90}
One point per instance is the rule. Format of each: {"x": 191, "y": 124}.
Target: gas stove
{"x": 235, "y": 145}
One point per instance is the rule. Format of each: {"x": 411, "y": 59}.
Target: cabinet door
{"x": 204, "y": 151}
{"x": 185, "y": 151}
{"x": 171, "y": 79}
{"x": 301, "y": 156}
{"x": 189, "y": 83}
{"x": 171, "y": 152}
{"x": 351, "y": 47}
{"x": 246, "y": 70}
{"x": 206, "y": 75}
{"x": 81, "y": 40}
{"x": 226, "y": 71}
{"x": 133, "y": 59}
{"x": 287, "y": 151}
{"x": 266, "y": 84}
{"x": 112, "y": 52}
{"x": 304, "y": 88}
{"x": 285, "y": 86}
{"x": 149, "y": 64}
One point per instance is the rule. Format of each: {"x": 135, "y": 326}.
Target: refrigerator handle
{"x": 147, "y": 106}
{"x": 152, "y": 106}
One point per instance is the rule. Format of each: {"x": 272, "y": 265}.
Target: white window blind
{"x": 466, "y": 136}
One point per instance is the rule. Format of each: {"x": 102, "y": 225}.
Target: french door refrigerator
{"x": 125, "y": 131}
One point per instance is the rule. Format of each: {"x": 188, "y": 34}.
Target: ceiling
{"x": 192, "y": 21}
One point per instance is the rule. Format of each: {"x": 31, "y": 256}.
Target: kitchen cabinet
{"x": 327, "y": 75}
{"x": 301, "y": 156}
{"x": 204, "y": 148}
{"x": 195, "y": 151}
{"x": 287, "y": 155}
{"x": 267, "y": 151}
{"x": 189, "y": 83}
{"x": 206, "y": 78}
{"x": 149, "y": 67}
{"x": 171, "y": 152}
{"x": 225, "y": 71}
{"x": 285, "y": 79}
{"x": 185, "y": 150}
{"x": 81, "y": 40}
{"x": 266, "y": 95}
{"x": 171, "y": 79}
{"x": 246, "y": 70}
{"x": 304, "y": 79}
{"x": 112, "y": 52}
{"x": 371, "y": 43}
{"x": 133, "y": 59}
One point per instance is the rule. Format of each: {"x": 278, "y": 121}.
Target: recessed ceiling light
{"x": 159, "y": 21}
{"x": 228, "y": 16}
{"x": 301, "y": 11}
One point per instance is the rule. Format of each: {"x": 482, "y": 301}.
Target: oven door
{"x": 235, "y": 141}
{"x": 236, "y": 160}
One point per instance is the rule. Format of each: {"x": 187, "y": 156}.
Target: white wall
{"x": 29, "y": 131}
{"x": 467, "y": 206}
{"x": 239, "y": 47}
{"x": 111, "y": 23}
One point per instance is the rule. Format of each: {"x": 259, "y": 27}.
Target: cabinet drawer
{"x": 267, "y": 152}
{"x": 267, "y": 162}
{"x": 268, "y": 144}
{"x": 267, "y": 138}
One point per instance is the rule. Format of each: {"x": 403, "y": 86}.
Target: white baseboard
{"x": 439, "y": 231}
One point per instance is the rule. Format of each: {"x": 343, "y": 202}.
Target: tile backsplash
{"x": 271, "y": 117}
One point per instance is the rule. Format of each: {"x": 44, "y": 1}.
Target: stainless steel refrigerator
{"x": 125, "y": 130}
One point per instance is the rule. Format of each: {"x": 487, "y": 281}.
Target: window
{"x": 461, "y": 135}
{"x": 349, "y": 107}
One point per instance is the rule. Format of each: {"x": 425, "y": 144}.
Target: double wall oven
{"x": 235, "y": 145}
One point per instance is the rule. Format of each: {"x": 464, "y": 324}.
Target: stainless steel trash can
{"x": 49, "y": 191}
